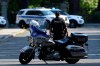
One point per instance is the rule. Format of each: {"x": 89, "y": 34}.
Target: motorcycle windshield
{"x": 36, "y": 32}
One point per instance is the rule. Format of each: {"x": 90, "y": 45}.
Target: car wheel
{"x": 22, "y": 24}
{"x": 2, "y": 26}
{"x": 72, "y": 24}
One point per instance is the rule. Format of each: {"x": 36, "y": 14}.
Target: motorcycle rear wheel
{"x": 72, "y": 61}
{"x": 25, "y": 58}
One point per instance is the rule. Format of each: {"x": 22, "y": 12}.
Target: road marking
{"x": 94, "y": 39}
{"x": 94, "y": 54}
{"x": 37, "y": 61}
{"x": 5, "y": 54}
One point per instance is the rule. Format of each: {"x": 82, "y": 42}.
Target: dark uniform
{"x": 58, "y": 28}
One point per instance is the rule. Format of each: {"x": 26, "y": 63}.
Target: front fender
{"x": 26, "y": 48}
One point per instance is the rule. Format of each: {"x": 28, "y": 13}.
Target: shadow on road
{"x": 54, "y": 64}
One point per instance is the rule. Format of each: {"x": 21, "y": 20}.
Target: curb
{"x": 91, "y": 24}
{"x": 2, "y": 38}
{"x": 18, "y": 33}
{"x": 13, "y": 34}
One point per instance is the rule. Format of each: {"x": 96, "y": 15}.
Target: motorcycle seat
{"x": 62, "y": 41}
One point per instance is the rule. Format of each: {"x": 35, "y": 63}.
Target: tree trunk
{"x": 74, "y": 6}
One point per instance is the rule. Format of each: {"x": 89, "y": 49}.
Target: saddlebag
{"x": 77, "y": 51}
{"x": 79, "y": 38}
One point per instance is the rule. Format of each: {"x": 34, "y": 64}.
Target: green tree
{"x": 87, "y": 7}
{"x": 0, "y": 9}
{"x": 82, "y": 7}
{"x": 95, "y": 16}
{"x": 22, "y": 4}
{"x": 74, "y": 6}
{"x": 44, "y": 3}
{"x": 98, "y": 7}
{"x": 12, "y": 11}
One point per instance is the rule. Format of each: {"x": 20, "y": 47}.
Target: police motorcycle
{"x": 41, "y": 46}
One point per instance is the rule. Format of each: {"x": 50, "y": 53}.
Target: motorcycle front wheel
{"x": 26, "y": 57}
{"x": 72, "y": 61}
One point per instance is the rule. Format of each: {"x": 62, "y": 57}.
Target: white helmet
{"x": 34, "y": 23}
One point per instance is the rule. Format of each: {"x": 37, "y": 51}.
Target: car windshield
{"x": 20, "y": 12}
{"x": 61, "y": 12}
{"x": 47, "y": 12}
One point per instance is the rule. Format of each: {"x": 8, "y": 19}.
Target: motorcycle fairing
{"x": 36, "y": 32}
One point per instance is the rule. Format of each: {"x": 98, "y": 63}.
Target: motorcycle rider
{"x": 58, "y": 27}
{"x": 59, "y": 30}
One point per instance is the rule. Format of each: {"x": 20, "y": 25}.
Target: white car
{"x": 2, "y": 21}
{"x": 74, "y": 20}
{"x": 41, "y": 15}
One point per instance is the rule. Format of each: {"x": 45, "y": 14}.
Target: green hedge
{"x": 86, "y": 9}
{"x": 95, "y": 17}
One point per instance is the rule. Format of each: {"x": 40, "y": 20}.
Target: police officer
{"x": 58, "y": 27}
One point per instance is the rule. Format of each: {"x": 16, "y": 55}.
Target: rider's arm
{"x": 51, "y": 28}
{"x": 65, "y": 28}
